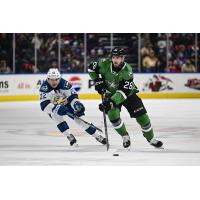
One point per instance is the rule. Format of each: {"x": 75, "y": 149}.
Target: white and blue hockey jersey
{"x": 50, "y": 96}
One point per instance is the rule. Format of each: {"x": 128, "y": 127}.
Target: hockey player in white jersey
{"x": 58, "y": 98}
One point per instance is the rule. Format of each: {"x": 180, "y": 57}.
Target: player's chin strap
{"x": 105, "y": 124}
{"x": 90, "y": 124}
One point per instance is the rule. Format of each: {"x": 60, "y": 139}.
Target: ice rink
{"x": 29, "y": 137}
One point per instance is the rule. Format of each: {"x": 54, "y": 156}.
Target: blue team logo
{"x": 44, "y": 88}
{"x": 76, "y": 82}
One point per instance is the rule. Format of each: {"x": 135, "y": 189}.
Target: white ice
{"x": 29, "y": 137}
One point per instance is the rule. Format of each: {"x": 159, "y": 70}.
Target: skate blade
{"x": 75, "y": 145}
{"x": 119, "y": 150}
{"x": 128, "y": 149}
{"x": 159, "y": 147}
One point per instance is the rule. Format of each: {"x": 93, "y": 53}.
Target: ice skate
{"x": 126, "y": 141}
{"x": 72, "y": 140}
{"x": 101, "y": 139}
{"x": 156, "y": 143}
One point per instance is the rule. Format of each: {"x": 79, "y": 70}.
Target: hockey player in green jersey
{"x": 114, "y": 77}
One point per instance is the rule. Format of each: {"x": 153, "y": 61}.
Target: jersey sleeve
{"x": 45, "y": 99}
{"x": 93, "y": 70}
{"x": 125, "y": 87}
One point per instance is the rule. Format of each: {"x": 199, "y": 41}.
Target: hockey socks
{"x": 63, "y": 126}
{"x": 147, "y": 130}
{"x": 119, "y": 127}
{"x": 145, "y": 124}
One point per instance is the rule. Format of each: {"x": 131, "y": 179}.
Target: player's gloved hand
{"x": 100, "y": 85}
{"x": 79, "y": 109}
{"x": 60, "y": 109}
{"x": 106, "y": 105}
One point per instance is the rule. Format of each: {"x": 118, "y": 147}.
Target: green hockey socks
{"x": 145, "y": 124}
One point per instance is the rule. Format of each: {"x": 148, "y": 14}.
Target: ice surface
{"x": 29, "y": 137}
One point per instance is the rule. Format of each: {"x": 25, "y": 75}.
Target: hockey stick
{"x": 90, "y": 124}
{"x": 105, "y": 124}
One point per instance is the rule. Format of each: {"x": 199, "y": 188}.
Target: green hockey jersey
{"x": 119, "y": 85}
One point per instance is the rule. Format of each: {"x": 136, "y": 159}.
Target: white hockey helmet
{"x": 53, "y": 73}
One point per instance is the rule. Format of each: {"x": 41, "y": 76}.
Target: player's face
{"x": 117, "y": 60}
{"x": 53, "y": 82}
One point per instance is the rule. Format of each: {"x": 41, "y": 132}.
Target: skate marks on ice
{"x": 29, "y": 137}
{"x": 93, "y": 155}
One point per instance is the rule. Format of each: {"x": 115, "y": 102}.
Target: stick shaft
{"x": 88, "y": 123}
{"x": 105, "y": 124}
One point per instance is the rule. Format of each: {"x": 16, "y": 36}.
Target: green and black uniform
{"x": 121, "y": 90}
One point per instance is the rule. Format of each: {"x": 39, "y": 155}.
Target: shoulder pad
{"x": 128, "y": 71}
{"x": 64, "y": 84}
{"x": 45, "y": 87}
{"x": 104, "y": 60}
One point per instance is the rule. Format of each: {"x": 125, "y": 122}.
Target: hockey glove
{"x": 79, "y": 109}
{"x": 60, "y": 109}
{"x": 100, "y": 85}
{"x": 106, "y": 105}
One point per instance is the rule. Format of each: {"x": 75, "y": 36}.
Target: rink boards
{"x": 151, "y": 85}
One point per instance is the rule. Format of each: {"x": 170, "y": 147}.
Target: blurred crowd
{"x": 97, "y": 46}
{"x": 72, "y": 53}
{"x": 180, "y": 56}
{"x": 5, "y": 53}
{"x": 36, "y": 53}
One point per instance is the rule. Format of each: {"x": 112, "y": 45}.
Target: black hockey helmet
{"x": 117, "y": 51}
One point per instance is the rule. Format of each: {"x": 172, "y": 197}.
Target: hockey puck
{"x": 115, "y": 154}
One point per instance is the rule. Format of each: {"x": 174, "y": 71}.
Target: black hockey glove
{"x": 100, "y": 85}
{"x": 106, "y": 105}
{"x": 79, "y": 109}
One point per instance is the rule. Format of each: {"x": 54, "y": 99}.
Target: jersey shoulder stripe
{"x": 64, "y": 84}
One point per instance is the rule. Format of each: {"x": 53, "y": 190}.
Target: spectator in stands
{"x": 6, "y": 48}
{"x": 151, "y": 63}
{"x": 4, "y": 68}
{"x": 153, "y": 51}
{"x": 92, "y": 41}
{"x": 36, "y": 42}
{"x": 161, "y": 50}
{"x": 24, "y": 53}
{"x": 100, "y": 52}
{"x": 180, "y": 58}
{"x": 72, "y": 53}
{"x": 92, "y": 56}
{"x": 183, "y": 48}
{"x": 145, "y": 51}
{"x": 174, "y": 67}
{"x": 188, "y": 67}
{"x": 47, "y": 50}
{"x": 157, "y": 43}
{"x": 162, "y": 41}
